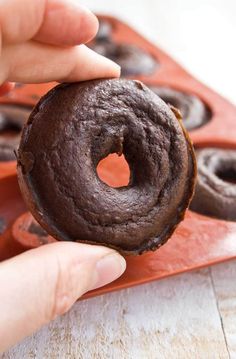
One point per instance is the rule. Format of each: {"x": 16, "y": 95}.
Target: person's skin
{"x": 39, "y": 42}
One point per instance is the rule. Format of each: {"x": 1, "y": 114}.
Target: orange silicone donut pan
{"x": 198, "y": 241}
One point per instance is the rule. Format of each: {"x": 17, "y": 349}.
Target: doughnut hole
{"x": 227, "y": 175}
{"x": 10, "y": 130}
{"x": 114, "y": 171}
{"x": 12, "y": 119}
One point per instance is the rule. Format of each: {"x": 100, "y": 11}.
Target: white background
{"x": 201, "y": 34}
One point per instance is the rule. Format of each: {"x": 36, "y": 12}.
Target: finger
{"x": 25, "y": 18}
{"x": 58, "y": 22}
{"x": 67, "y": 23}
{"x": 43, "y": 283}
{"x": 33, "y": 62}
{"x": 6, "y": 87}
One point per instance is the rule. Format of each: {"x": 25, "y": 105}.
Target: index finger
{"x": 57, "y": 22}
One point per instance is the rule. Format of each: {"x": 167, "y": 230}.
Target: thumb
{"x": 43, "y": 283}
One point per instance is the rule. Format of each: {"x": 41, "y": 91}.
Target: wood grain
{"x": 173, "y": 318}
{"x": 224, "y": 281}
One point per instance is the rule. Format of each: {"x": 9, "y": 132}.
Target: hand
{"x": 38, "y": 43}
{"x": 43, "y": 283}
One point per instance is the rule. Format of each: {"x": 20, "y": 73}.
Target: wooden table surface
{"x": 191, "y": 315}
{"x": 188, "y": 316}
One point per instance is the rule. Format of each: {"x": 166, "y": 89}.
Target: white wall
{"x": 200, "y": 34}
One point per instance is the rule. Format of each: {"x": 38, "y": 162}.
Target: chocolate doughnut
{"x": 27, "y": 233}
{"x": 75, "y": 126}
{"x": 8, "y": 148}
{"x": 215, "y": 193}
{"x": 194, "y": 112}
{"x": 133, "y": 60}
{"x": 12, "y": 118}
{"x": 35, "y": 228}
{"x": 104, "y": 31}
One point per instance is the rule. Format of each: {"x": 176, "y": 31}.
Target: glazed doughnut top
{"x": 71, "y": 129}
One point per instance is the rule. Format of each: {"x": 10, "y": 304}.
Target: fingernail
{"x": 108, "y": 269}
{"x": 112, "y": 68}
{"x": 118, "y": 69}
